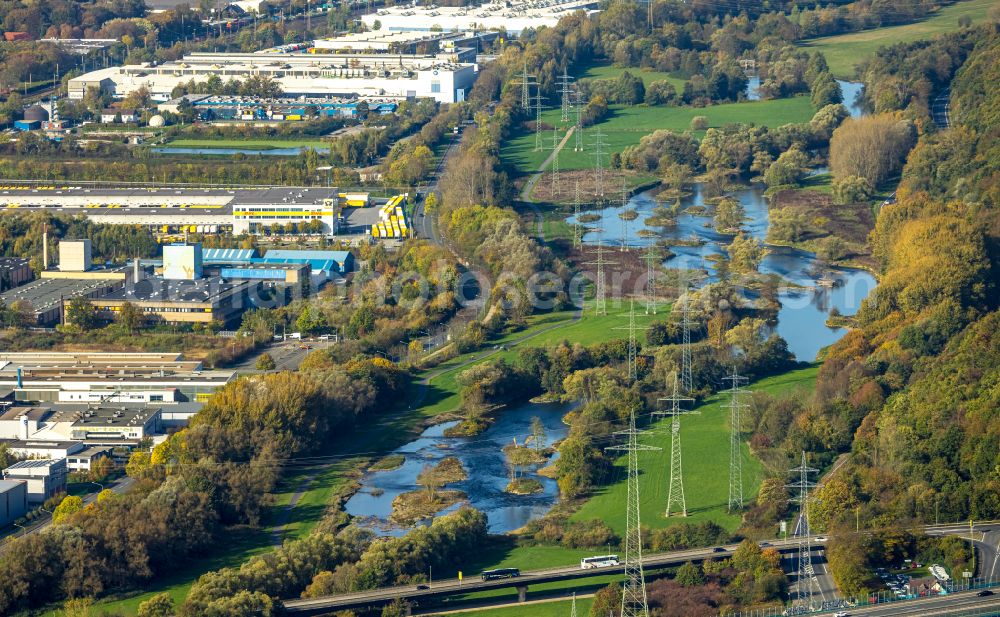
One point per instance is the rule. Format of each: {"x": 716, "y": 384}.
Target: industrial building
{"x": 309, "y": 75}
{"x": 13, "y": 501}
{"x": 90, "y": 377}
{"x": 14, "y": 272}
{"x": 512, "y": 17}
{"x": 44, "y": 477}
{"x": 43, "y": 298}
{"x": 211, "y": 107}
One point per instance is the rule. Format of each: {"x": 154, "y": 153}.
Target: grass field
{"x": 558, "y": 608}
{"x": 625, "y": 125}
{"x": 648, "y": 76}
{"x": 250, "y": 144}
{"x": 706, "y": 465}
{"x": 545, "y": 330}
{"x": 844, "y": 52}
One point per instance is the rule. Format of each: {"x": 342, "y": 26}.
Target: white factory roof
{"x": 513, "y": 17}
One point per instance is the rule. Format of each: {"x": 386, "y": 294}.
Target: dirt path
{"x": 278, "y": 531}
{"x": 529, "y": 186}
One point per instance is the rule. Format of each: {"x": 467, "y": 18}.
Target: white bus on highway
{"x": 602, "y": 561}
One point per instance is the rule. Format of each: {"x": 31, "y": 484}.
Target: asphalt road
{"x": 316, "y": 606}
{"x": 120, "y": 486}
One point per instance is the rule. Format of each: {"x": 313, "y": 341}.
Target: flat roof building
{"x": 311, "y": 75}
{"x": 44, "y": 477}
{"x": 114, "y": 378}
{"x": 13, "y": 501}
{"x": 14, "y": 272}
{"x": 513, "y": 17}
{"x": 44, "y": 297}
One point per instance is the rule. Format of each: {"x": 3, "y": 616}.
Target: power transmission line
{"x": 687, "y": 372}
{"x": 538, "y": 98}
{"x": 634, "y": 602}
{"x": 651, "y": 256}
{"x": 578, "y": 132}
{"x": 807, "y": 587}
{"x": 572, "y": 609}
{"x": 526, "y": 82}
{"x": 600, "y": 291}
{"x": 566, "y": 91}
{"x": 735, "y": 450}
{"x": 676, "y": 501}
{"x": 577, "y": 235}
{"x": 556, "y": 186}
{"x": 633, "y": 345}
{"x": 599, "y": 163}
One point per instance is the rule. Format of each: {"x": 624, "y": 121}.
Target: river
{"x": 231, "y": 151}
{"x": 484, "y": 462}
{"x": 805, "y": 307}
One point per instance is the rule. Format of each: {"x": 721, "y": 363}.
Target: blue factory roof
{"x": 338, "y": 256}
{"x": 228, "y": 255}
{"x": 325, "y": 261}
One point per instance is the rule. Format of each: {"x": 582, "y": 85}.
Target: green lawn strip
{"x": 822, "y": 183}
{"x": 626, "y": 125}
{"x": 555, "y": 608}
{"x": 309, "y": 508}
{"x": 590, "y": 329}
{"x": 845, "y": 51}
{"x": 706, "y": 471}
{"x": 648, "y": 76}
{"x": 250, "y": 144}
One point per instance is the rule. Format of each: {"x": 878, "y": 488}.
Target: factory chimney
{"x": 45, "y": 246}
{"x": 137, "y": 272}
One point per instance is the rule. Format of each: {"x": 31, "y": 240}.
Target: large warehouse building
{"x": 513, "y": 17}
{"x": 311, "y": 75}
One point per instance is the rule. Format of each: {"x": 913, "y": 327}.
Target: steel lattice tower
{"x": 599, "y": 165}
{"x": 634, "y": 602}
{"x": 572, "y": 609}
{"x": 676, "y": 501}
{"x": 578, "y": 131}
{"x": 651, "y": 256}
{"x": 687, "y": 376}
{"x": 600, "y": 291}
{"x": 577, "y": 236}
{"x": 735, "y": 451}
{"x": 805, "y": 582}
{"x": 526, "y": 82}
{"x": 556, "y": 187}
{"x": 633, "y": 345}
{"x": 624, "y": 240}
{"x": 566, "y": 91}
{"x": 538, "y": 98}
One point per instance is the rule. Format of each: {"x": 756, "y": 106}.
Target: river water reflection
{"x": 484, "y": 462}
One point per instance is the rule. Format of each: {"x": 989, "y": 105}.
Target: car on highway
{"x": 718, "y": 549}
{"x": 842, "y": 614}
{"x": 489, "y": 575}
{"x": 984, "y": 593}
{"x": 422, "y": 587}
{"x": 821, "y": 538}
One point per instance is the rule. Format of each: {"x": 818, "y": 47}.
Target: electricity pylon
{"x": 624, "y": 246}
{"x": 675, "y": 490}
{"x": 735, "y": 452}
{"x": 633, "y": 345}
{"x": 599, "y": 164}
{"x": 651, "y": 256}
{"x": 556, "y": 187}
{"x": 526, "y": 82}
{"x": 805, "y": 582}
{"x": 538, "y": 98}
{"x": 600, "y": 286}
{"x": 687, "y": 375}
{"x": 577, "y": 236}
{"x": 578, "y": 132}
{"x": 565, "y": 90}
{"x": 634, "y": 602}
{"x": 572, "y": 608}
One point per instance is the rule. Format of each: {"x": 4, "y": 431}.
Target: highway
{"x": 445, "y": 588}
{"x": 320, "y": 606}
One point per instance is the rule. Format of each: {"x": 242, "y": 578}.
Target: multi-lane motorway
{"x": 984, "y": 536}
